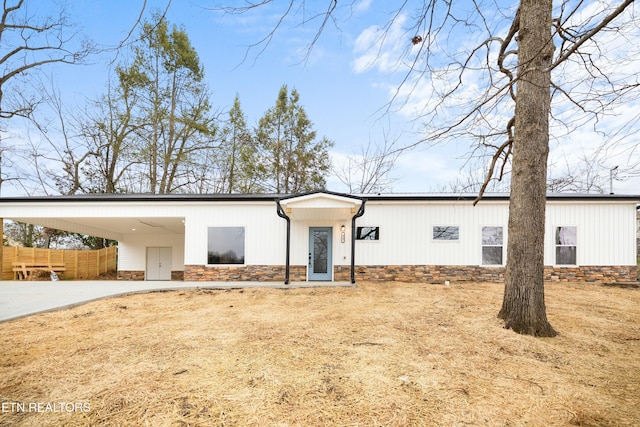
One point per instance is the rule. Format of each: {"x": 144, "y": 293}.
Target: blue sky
{"x": 345, "y": 106}
{"x": 344, "y": 84}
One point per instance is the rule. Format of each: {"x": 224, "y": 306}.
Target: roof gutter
{"x": 353, "y": 240}
{"x": 282, "y": 214}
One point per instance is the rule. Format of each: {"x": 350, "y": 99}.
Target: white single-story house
{"x": 327, "y": 236}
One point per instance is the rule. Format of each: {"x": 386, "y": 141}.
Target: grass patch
{"x": 394, "y": 355}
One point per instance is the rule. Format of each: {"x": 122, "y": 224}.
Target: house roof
{"x": 282, "y": 197}
{"x": 76, "y": 213}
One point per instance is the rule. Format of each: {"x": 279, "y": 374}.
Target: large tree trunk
{"x": 523, "y": 307}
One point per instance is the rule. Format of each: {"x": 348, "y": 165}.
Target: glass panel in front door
{"x": 320, "y": 251}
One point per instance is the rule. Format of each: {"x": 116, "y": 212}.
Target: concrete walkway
{"x": 19, "y": 299}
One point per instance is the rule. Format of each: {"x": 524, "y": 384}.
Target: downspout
{"x": 282, "y": 214}
{"x": 353, "y": 240}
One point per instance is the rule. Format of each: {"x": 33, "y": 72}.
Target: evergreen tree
{"x": 175, "y": 109}
{"x": 239, "y": 171}
{"x": 292, "y": 159}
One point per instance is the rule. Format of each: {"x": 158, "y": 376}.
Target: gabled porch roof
{"x": 321, "y": 205}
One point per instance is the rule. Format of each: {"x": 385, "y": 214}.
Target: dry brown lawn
{"x": 375, "y": 355}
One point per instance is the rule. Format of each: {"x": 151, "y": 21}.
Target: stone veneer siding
{"x": 424, "y": 273}
{"x": 467, "y": 273}
{"x": 589, "y": 273}
{"x": 130, "y": 275}
{"x": 393, "y": 273}
{"x": 242, "y": 273}
{"x": 176, "y": 275}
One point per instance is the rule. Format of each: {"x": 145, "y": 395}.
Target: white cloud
{"x": 362, "y": 6}
{"x": 380, "y": 48}
{"x": 611, "y": 139}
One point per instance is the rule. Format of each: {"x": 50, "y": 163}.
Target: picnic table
{"x": 24, "y": 270}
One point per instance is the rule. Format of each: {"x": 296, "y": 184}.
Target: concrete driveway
{"x": 19, "y": 299}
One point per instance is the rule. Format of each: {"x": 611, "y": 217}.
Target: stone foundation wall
{"x": 130, "y": 275}
{"x": 466, "y": 273}
{"x": 589, "y": 273}
{"x": 426, "y": 273}
{"x": 392, "y": 273}
{"x": 139, "y": 275}
{"x": 342, "y": 273}
{"x": 244, "y": 273}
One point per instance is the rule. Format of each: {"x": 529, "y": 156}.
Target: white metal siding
{"x": 132, "y": 250}
{"x": 341, "y": 251}
{"x": 265, "y": 231}
{"x": 605, "y": 234}
{"x": 406, "y": 232}
{"x": 605, "y": 230}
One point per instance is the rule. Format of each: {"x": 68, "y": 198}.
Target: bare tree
{"x": 523, "y": 306}
{"x": 109, "y": 134}
{"x": 82, "y": 152}
{"x": 28, "y": 44}
{"x": 57, "y": 155}
{"x": 472, "y": 178}
{"x": 35, "y": 35}
{"x": 31, "y": 42}
{"x": 578, "y": 177}
{"x": 508, "y": 105}
{"x": 370, "y": 170}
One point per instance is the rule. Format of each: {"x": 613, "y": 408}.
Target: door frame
{"x": 328, "y": 275}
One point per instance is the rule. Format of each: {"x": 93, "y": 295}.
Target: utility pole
{"x": 611, "y": 179}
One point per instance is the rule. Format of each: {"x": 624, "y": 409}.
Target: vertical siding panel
{"x": 606, "y": 230}
{"x": 265, "y": 231}
{"x": 605, "y": 233}
{"x": 406, "y": 232}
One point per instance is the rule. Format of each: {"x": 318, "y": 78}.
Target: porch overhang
{"x": 321, "y": 207}
{"x": 317, "y": 208}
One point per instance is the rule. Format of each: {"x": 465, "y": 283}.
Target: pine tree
{"x": 175, "y": 111}
{"x": 238, "y": 154}
{"x": 292, "y": 158}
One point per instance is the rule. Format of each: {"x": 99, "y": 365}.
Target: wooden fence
{"x": 79, "y": 264}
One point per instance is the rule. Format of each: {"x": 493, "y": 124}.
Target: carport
{"x": 153, "y": 234}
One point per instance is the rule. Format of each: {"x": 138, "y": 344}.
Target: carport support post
{"x": 353, "y": 240}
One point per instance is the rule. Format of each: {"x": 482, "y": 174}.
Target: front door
{"x": 158, "y": 264}
{"x": 320, "y": 266}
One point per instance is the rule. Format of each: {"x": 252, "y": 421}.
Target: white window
{"x": 492, "y": 243}
{"x": 446, "y": 232}
{"x": 566, "y": 244}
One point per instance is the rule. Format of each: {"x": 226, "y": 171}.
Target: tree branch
{"x": 589, "y": 34}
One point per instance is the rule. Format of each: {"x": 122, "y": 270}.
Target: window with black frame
{"x": 446, "y": 232}
{"x": 367, "y": 233}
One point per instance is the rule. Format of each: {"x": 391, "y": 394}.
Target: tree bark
{"x": 523, "y": 307}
